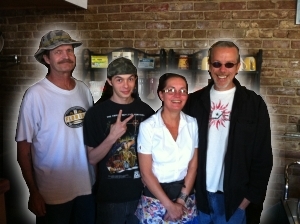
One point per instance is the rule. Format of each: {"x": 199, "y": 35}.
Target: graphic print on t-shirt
{"x": 219, "y": 114}
{"x": 74, "y": 117}
{"x": 122, "y": 156}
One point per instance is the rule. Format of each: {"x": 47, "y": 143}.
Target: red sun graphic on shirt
{"x": 219, "y": 114}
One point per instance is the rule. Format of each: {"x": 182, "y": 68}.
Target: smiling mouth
{"x": 222, "y": 76}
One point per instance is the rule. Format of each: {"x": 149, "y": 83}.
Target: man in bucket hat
{"x": 110, "y": 131}
{"x": 50, "y": 148}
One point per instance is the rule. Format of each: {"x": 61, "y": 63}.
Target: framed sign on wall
{"x": 298, "y": 12}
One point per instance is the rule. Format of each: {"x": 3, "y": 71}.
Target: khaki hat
{"x": 54, "y": 39}
{"x": 121, "y": 66}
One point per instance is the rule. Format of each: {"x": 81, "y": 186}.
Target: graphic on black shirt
{"x": 219, "y": 114}
{"x": 122, "y": 156}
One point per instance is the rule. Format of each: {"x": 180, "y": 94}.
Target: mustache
{"x": 66, "y": 61}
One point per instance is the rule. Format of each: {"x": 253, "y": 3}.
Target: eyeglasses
{"x": 227, "y": 65}
{"x": 172, "y": 91}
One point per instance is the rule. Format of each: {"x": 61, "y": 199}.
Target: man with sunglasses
{"x": 235, "y": 154}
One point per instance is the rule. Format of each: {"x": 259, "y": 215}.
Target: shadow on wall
{"x": 16, "y": 197}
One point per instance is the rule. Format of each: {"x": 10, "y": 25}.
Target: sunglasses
{"x": 172, "y": 91}
{"x": 227, "y": 65}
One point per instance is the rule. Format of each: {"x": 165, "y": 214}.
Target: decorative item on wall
{"x": 298, "y": 12}
{"x": 7, "y": 61}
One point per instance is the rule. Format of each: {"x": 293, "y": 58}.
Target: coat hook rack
{"x": 7, "y": 61}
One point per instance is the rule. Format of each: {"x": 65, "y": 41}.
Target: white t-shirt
{"x": 219, "y": 120}
{"x": 170, "y": 157}
{"x": 51, "y": 119}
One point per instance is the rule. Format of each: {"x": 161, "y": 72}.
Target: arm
{"x": 96, "y": 154}
{"x": 262, "y": 158}
{"x": 190, "y": 177}
{"x": 174, "y": 210}
{"x": 36, "y": 202}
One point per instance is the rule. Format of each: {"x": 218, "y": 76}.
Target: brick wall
{"x": 186, "y": 27}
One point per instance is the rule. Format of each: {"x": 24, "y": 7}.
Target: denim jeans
{"x": 80, "y": 210}
{"x": 217, "y": 212}
{"x": 117, "y": 213}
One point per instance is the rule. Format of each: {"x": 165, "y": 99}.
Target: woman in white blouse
{"x": 167, "y": 153}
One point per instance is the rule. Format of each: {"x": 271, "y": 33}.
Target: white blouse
{"x": 170, "y": 158}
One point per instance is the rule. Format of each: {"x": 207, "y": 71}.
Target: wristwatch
{"x": 183, "y": 196}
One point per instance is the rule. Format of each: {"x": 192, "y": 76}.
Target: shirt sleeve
{"x": 144, "y": 140}
{"x": 28, "y": 120}
{"x": 195, "y": 137}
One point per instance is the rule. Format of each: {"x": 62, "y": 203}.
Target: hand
{"x": 36, "y": 204}
{"x": 175, "y": 212}
{"x": 244, "y": 204}
{"x": 119, "y": 128}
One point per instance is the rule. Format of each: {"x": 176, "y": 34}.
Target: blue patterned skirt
{"x": 150, "y": 211}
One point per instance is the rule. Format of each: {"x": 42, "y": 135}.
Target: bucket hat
{"x": 54, "y": 39}
{"x": 119, "y": 66}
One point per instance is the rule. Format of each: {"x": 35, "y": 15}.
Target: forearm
{"x": 98, "y": 153}
{"x": 25, "y": 161}
{"x": 190, "y": 177}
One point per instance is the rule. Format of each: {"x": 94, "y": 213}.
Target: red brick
{"x": 108, "y": 9}
{"x": 208, "y": 25}
{"x": 146, "y": 44}
{"x": 274, "y": 14}
{"x": 119, "y": 17}
{"x": 271, "y": 100}
{"x": 261, "y": 5}
{"x": 194, "y": 44}
{"x": 188, "y": 34}
{"x": 245, "y": 14}
{"x": 233, "y": 5}
{"x": 156, "y": 7}
{"x": 276, "y": 44}
{"x": 206, "y": 6}
{"x": 93, "y": 18}
{"x": 167, "y": 16}
{"x": 270, "y": 81}
{"x": 281, "y": 91}
{"x": 110, "y": 25}
{"x": 123, "y": 34}
{"x": 280, "y": 33}
{"x": 144, "y": 34}
{"x": 142, "y": 16}
{"x": 191, "y": 16}
{"x": 265, "y": 33}
{"x": 121, "y": 43}
{"x": 87, "y": 26}
{"x": 132, "y": 8}
{"x": 181, "y": 6}
{"x": 294, "y": 34}
{"x": 183, "y": 25}
{"x": 218, "y": 16}
{"x": 157, "y": 25}
{"x": 200, "y": 33}
{"x": 286, "y": 4}
{"x": 170, "y": 44}
{"x": 133, "y": 25}
{"x": 97, "y": 43}
{"x": 213, "y": 34}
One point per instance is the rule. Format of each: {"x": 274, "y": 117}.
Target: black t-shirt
{"x": 118, "y": 178}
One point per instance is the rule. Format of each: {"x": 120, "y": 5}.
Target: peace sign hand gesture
{"x": 119, "y": 128}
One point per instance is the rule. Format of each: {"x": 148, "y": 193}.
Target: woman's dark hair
{"x": 164, "y": 78}
{"x": 108, "y": 91}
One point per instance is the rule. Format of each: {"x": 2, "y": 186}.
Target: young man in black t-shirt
{"x": 110, "y": 132}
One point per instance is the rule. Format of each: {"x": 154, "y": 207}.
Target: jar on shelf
{"x": 183, "y": 62}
